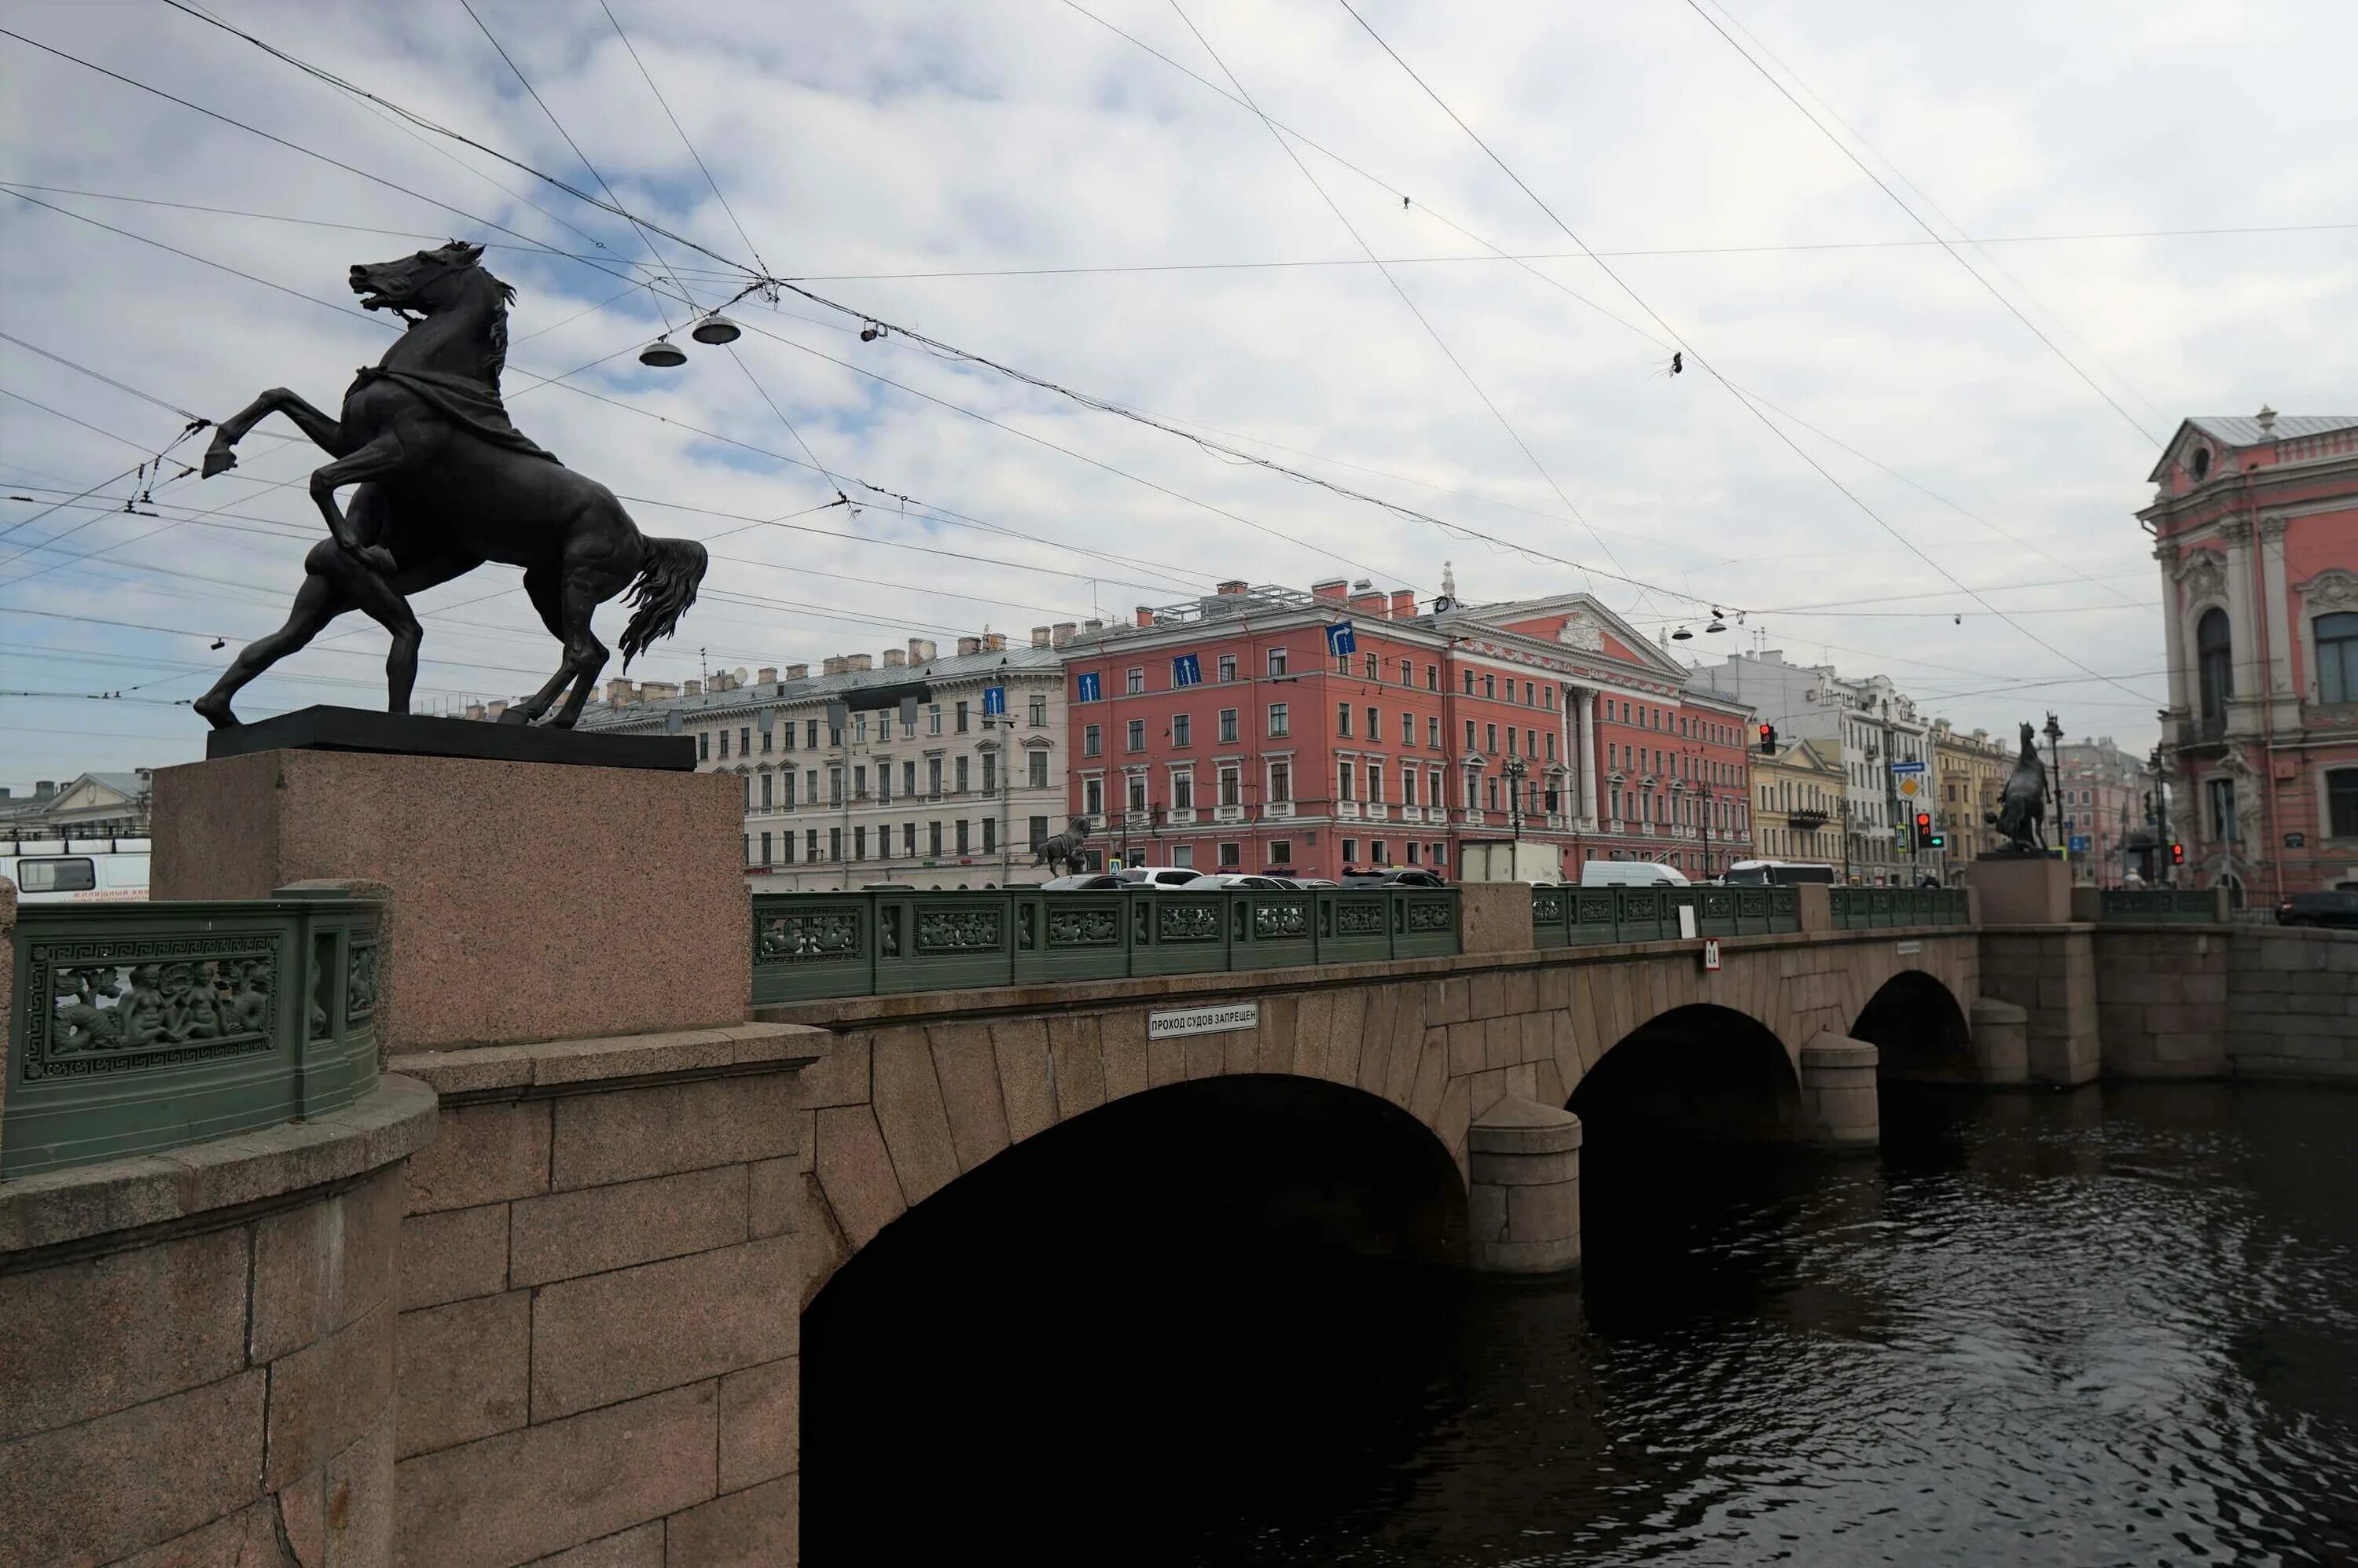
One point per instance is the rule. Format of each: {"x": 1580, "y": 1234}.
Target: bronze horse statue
{"x": 2022, "y": 811}
{"x": 447, "y": 483}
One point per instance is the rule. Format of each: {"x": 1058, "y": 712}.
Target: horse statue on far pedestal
{"x": 1065, "y": 849}
{"x": 2021, "y": 813}
{"x": 447, "y": 483}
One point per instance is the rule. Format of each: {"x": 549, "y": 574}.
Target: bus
{"x": 76, "y": 871}
{"x": 1777, "y": 873}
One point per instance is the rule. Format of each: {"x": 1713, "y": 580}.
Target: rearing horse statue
{"x": 2022, "y": 804}
{"x": 447, "y": 483}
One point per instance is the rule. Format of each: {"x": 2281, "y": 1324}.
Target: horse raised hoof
{"x": 218, "y": 459}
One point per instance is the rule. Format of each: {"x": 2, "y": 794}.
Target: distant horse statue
{"x": 2022, "y": 811}
{"x": 447, "y": 483}
{"x": 1064, "y": 848}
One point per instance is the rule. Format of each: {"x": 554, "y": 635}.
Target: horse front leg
{"x": 379, "y": 459}
{"x": 325, "y": 432}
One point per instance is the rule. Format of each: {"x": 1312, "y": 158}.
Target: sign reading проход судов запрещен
{"x": 1203, "y": 1019}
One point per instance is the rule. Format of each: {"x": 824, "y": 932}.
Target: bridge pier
{"x": 1839, "y": 1108}
{"x": 1523, "y": 1195}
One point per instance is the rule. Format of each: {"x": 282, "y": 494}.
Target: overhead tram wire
{"x": 1525, "y": 265}
{"x": 1422, "y": 320}
{"x": 1739, "y": 395}
{"x": 701, "y": 167}
{"x": 1913, "y": 216}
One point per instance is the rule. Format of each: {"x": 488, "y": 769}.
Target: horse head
{"x": 427, "y": 282}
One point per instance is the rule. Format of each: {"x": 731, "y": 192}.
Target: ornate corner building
{"x": 2256, "y": 528}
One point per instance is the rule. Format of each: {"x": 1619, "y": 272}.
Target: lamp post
{"x": 1513, "y": 770}
{"x": 2054, "y": 733}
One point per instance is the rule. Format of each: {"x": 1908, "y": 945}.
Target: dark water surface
{"x": 2112, "y": 1326}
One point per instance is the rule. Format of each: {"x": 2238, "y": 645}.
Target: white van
{"x": 1630, "y": 874}
{"x": 76, "y": 871}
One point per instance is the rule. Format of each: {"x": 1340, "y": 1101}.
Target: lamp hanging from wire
{"x": 1681, "y": 635}
{"x": 663, "y": 355}
{"x": 716, "y": 329}
{"x": 1717, "y": 624}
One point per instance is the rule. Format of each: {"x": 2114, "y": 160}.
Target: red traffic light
{"x": 1923, "y": 822}
{"x": 1768, "y": 739}
{"x": 2177, "y": 854}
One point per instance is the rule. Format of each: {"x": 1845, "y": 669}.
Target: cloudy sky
{"x": 1027, "y": 183}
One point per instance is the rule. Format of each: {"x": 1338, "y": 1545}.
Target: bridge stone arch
{"x": 1919, "y": 1028}
{"x": 1696, "y": 1070}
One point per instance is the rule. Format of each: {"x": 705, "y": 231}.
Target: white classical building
{"x": 914, "y": 770}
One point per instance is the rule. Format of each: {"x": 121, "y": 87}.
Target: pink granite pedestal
{"x": 531, "y": 902}
{"x": 2029, "y": 891}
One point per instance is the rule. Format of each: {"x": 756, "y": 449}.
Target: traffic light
{"x": 1924, "y": 839}
{"x": 2177, "y": 854}
{"x": 1768, "y": 739}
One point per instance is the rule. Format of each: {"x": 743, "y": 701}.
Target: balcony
{"x": 1277, "y": 809}
{"x": 1412, "y": 814}
{"x": 1347, "y": 809}
{"x": 1378, "y": 812}
{"x": 1227, "y": 813}
{"x": 1182, "y": 817}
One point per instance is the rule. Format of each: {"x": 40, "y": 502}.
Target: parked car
{"x": 2339, "y": 908}
{"x": 1397, "y": 877}
{"x": 1090, "y": 881}
{"x": 1243, "y": 880}
{"x": 1158, "y": 876}
{"x": 1630, "y": 874}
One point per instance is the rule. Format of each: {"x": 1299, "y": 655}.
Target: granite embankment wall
{"x": 2227, "y": 1001}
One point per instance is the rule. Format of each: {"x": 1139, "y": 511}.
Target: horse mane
{"x": 495, "y": 355}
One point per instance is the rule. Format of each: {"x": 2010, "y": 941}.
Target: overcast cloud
{"x": 914, "y": 139}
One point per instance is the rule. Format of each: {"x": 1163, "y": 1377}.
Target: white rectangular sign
{"x": 1906, "y": 767}
{"x": 1218, "y": 1020}
{"x": 1904, "y": 948}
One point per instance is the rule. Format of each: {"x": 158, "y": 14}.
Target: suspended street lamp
{"x": 716, "y": 329}
{"x": 663, "y": 355}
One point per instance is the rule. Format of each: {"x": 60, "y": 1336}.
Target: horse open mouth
{"x": 372, "y": 297}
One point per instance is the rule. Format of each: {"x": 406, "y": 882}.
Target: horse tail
{"x": 661, "y": 593}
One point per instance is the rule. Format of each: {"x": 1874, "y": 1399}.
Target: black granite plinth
{"x": 416, "y": 735}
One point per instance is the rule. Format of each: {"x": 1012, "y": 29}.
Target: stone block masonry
{"x": 2292, "y": 1003}
{"x": 600, "y": 1305}
{"x": 197, "y": 1350}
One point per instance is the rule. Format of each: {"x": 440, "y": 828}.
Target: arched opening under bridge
{"x": 1919, "y": 1031}
{"x": 1190, "y": 1307}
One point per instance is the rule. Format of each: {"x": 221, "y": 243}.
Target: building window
{"x": 1228, "y": 726}
{"x": 2337, "y": 658}
{"x": 1432, "y": 678}
{"x": 1407, "y": 728}
{"x": 834, "y": 844}
{"x": 766, "y": 788}
{"x": 2223, "y": 810}
{"x": 961, "y": 718}
{"x": 1037, "y": 826}
{"x": 765, "y": 848}
{"x": 1231, "y": 857}
{"x": 1345, "y": 777}
{"x": 1469, "y": 735}
{"x": 1490, "y": 739}
{"x": 1137, "y": 741}
{"x": 1433, "y": 732}
{"x": 989, "y": 835}
{"x": 1277, "y": 661}
{"x": 1183, "y": 792}
{"x": 1281, "y": 783}
{"x": 2214, "y": 659}
{"x": 1038, "y": 778}
{"x": 1432, "y": 788}
{"x": 1231, "y": 784}
{"x": 835, "y": 789}
{"x": 724, "y": 745}
{"x": 1491, "y": 686}
{"x": 1092, "y": 742}
{"x": 1350, "y": 851}
{"x": 1039, "y": 711}
{"x": 1408, "y": 786}
{"x": 810, "y": 844}
{"x": 1137, "y": 792}
{"x": 1490, "y": 794}
{"x": 965, "y": 842}
{"x": 1375, "y": 856}
{"x": 1376, "y": 783}
{"x": 1228, "y": 666}
{"x": 767, "y": 738}
{"x": 1183, "y": 855}
{"x": 1281, "y": 720}
{"x": 1342, "y": 720}
{"x": 860, "y": 843}
{"x": 934, "y": 777}
{"x": 1469, "y": 683}
{"x": 703, "y": 746}
{"x": 933, "y": 719}
{"x": 1093, "y": 797}
{"x": 2342, "y": 803}
{"x": 1183, "y": 729}
{"x": 960, "y": 765}
{"x": 786, "y": 848}
{"x": 1280, "y": 852}
{"x": 1375, "y": 727}
{"x": 1133, "y": 681}
{"x": 934, "y": 837}
{"x": 989, "y": 774}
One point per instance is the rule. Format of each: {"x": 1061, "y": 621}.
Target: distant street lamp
{"x": 1514, "y": 769}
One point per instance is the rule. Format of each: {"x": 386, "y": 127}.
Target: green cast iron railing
{"x": 810, "y": 947}
{"x": 1578, "y": 917}
{"x": 1879, "y": 909}
{"x": 2188, "y": 906}
{"x": 136, "y": 1028}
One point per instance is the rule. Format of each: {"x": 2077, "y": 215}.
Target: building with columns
{"x": 1240, "y": 731}
{"x": 2103, "y": 797}
{"x": 904, "y": 769}
{"x": 2254, "y": 523}
{"x": 1800, "y": 793}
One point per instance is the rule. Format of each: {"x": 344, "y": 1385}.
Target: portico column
{"x": 2274, "y": 607}
{"x": 2235, "y": 535}
{"x": 1588, "y": 760}
{"x": 2173, "y": 622}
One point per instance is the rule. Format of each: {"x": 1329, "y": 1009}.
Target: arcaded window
{"x": 2337, "y": 657}
{"x": 2214, "y": 657}
{"x": 2342, "y": 803}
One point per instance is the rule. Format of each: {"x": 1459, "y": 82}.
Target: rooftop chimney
{"x": 1061, "y": 634}
{"x": 1092, "y": 625}
{"x": 831, "y": 665}
{"x": 475, "y": 711}
{"x": 659, "y": 691}
{"x": 858, "y": 664}
{"x": 2267, "y": 420}
{"x": 1367, "y": 602}
{"x": 921, "y": 650}
{"x": 896, "y": 659}
{"x": 688, "y": 689}
{"x": 492, "y": 710}
{"x": 1235, "y": 585}
{"x": 1142, "y": 616}
{"x": 1332, "y": 588}
{"x": 970, "y": 646}
{"x": 1040, "y": 636}
{"x": 1403, "y": 604}
{"x": 994, "y": 642}
{"x": 799, "y": 672}
{"x": 768, "y": 674}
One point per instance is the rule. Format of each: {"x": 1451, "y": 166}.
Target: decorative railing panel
{"x": 1579, "y": 916}
{"x": 811, "y": 946}
{"x": 1880, "y": 909}
{"x": 137, "y": 1028}
{"x": 2190, "y": 906}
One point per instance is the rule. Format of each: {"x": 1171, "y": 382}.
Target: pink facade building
{"x": 2255, "y": 525}
{"x": 1247, "y": 730}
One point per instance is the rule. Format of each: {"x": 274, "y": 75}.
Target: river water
{"x": 2118, "y": 1325}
